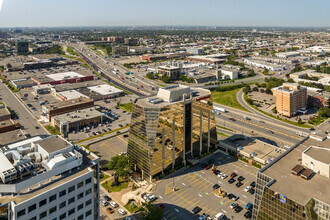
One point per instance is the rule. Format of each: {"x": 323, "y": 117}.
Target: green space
{"x": 103, "y": 177}
{"x": 71, "y": 51}
{"x": 228, "y": 98}
{"x": 222, "y": 134}
{"x": 69, "y": 57}
{"x": 275, "y": 117}
{"x": 52, "y": 130}
{"x": 126, "y": 106}
{"x": 161, "y": 85}
{"x": 228, "y": 129}
{"x": 131, "y": 207}
{"x": 108, "y": 185}
{"x": 100, "y": 135}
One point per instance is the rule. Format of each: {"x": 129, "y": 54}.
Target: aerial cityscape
{"x": 189, "y": 110}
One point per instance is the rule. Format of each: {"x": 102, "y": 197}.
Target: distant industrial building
{"x": 212, "y": 59}
{"x": 140, "y": 50}
{"x": 106, "y": 91}
{"x": 288, "y": 54}
{"x": 295, "y": 186}
{"x": 195, "y": 51}
{"x": 262, "y": 64}
{"x": 153, "y": 57}
{"x": 171, "y": 71}
{"x": 290, "y": 99}
{"x": 42, "y": 89}
{"x": 46, "y": 177}
{"x": 22, "y": 47}
{"x": 67, "y": 106}
{"x": 177, "y": 123}
{"x": 76, "y": 120}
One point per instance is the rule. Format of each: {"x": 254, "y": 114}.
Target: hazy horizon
{"x": 103, "y": 13}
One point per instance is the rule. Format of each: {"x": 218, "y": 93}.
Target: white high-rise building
{"x": 46, "y": 177}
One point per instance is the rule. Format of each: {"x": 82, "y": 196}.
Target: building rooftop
{"x": 4, "y": 111}
{"x": 169, "y": 67}
{"x": 170, "y": 95}
{"x": 65, "y": 75}
{"x": 105, "y": 89}
{"x": 68, "y": 103}
{"x": 10, "y": 136}
{"x": 320, "y": 154}
{"x": 83, "y": 114}
{"x": 53, "y": 144}
{"x": 72, "y": 94}
{"x": 295, "y": 187}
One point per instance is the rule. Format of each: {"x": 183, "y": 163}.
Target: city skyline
{"x": 36, "y": 13}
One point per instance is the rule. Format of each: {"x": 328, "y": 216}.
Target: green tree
{"x": 290, "y": 80}
{"x": 149, "y": 211}
{"x": 121, "y": 164}
{"x": 166, "y": 79}
{"x": 150, "y": 75}
{"x": 266, "y": 71}
{"x": 324, "y": 112}
{"x": 255, "y": 89}
{"x": 246, "y": 89}
{"x": 297, "y": 68}
{"x": 250, "y": 101}
{"x": 9, "y": 65}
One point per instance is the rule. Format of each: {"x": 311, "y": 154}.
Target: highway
{"x": 26, "y": 119}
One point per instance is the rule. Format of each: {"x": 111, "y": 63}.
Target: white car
{"x": 122, "y": 211}
{"x": 152, "y": 197}
{"x": 113, "y": 204}
{"x": 104, "y": 203}
{"x": 232, "y": 206}
{"x": 223, "y": 176}
{"x": 247, "y": 188}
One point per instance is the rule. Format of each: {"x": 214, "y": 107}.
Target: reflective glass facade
{"x": 161, "y": 138}
{"x": 268, "y": 204}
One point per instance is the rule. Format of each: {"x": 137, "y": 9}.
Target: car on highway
{"x": 231, "y": 180}
{"x": 233, "y": 205}
{"x": 196, "y": 210}
{"x": 113, "y": 204}
{"x": 232, "y": 119}
{"x": 122, "y": 211}
{"x": 125, "y": 135}
{"x": 270, "y": 131}
{"x": 110, "y": 210}
{"x": 238, "y": 209}
{"x": 216, "y": 186}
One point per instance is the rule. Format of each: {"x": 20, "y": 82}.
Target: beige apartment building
{"x": 290, "y": 98}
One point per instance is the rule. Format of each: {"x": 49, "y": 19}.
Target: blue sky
{"x": 35, "y": 13}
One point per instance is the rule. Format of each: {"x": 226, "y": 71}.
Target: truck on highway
{"x": 114, "y": 72}
{"x": 219, "y": 109}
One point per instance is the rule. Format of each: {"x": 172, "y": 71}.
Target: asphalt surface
{"x": 25, "y": 117}
{"x": 193, "y": 187}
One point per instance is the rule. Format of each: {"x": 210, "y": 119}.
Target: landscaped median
{"x": 52, "y": 130}
{"x": 108, "y": 185}
{"x": 278, "y": 118}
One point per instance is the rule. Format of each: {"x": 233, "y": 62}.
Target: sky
{"x": 51, "y": 13}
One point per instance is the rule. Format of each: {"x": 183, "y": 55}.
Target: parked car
{"x": 235, "y": 198}
{"x": 224, "y": 176}
{"x": 233, "y": 205}
{"x": 249, "y": 206}
{"x": 211, "y": 161}
{"x": 203, "y": 165}
{"x": 230, "y": 196}
{"x": 196, "y": 210}
{"x": 251, "y": 191}
{"x": 247, "y": 188}
{"x": 122, "y": 211}
{"x": 248, "y": 214}
{"x": 238, "y": 209}
{"x": 233, "y": 175}
{"x": 104, "y": 203}
{"x": 253, "y": 184}
{"x": 114, "y": 204}
{"x": 207, "y": 167}
{"x": 162, "y": 206}
{"x": 239, "y": 184}
{"x": 240, "y": 178}
{"x": 231, "y": 180}
{"x": 107, "y": 198}
{"x": 110, "y": 210}
{"x": 216, "y": 186}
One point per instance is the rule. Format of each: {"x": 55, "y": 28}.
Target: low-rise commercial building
{"x": 46, "y": 177}
{"x": 262, "y": 64}
{"x": 290, "y": 98}
{"x": 66, "y": 106}
{"x": 106, "y": 91}
{"x": 288, "y": 54}
{"x": 171, "y": 71}
{"x": 6, "y": 124}
{"x": 318, "y": 99}
{"x": 66, "y": 77}
{"x": 76, "y": 120}
{"x": 195, "y": 51}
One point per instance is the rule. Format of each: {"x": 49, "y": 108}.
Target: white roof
{"x": 105, "y": 89}
{"x": 5, "y": 163}
{"x": 65, "y": 75}
{"x": 71, "y": 94}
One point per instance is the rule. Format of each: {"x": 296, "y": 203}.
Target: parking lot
{"x": 194, "y": 187}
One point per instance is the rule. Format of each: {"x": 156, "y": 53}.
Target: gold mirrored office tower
{"x": 166, "y": 129}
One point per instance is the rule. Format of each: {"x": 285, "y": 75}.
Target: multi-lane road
{"x": 27, "y": 121}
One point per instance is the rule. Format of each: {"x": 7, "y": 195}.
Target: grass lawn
{"x": 126, "y": 106}
{"x": 228, "y": 129}
{"x": 105, "y": 176}
{"x": 222, "y": 134}
{"x": 122, "y": 185}
{"x": 227, "y": 98}
{"x": 131, "y": 207}
{"x": 52, "y": 130}
{"x": 281, "y": 119}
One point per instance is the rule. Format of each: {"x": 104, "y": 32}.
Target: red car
{"x": 162, "y": 206}
{"x": 233, "y": 175}
{"x": 207, "y": 167}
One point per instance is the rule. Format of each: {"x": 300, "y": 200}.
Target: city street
{"x": 27, "y": 121}
{"x": 193, "y": 187}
